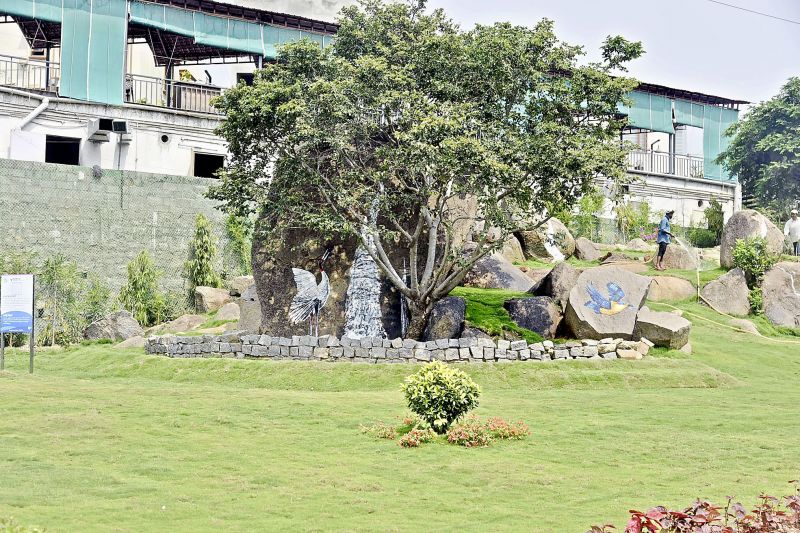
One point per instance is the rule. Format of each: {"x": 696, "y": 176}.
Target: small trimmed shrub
{"x": 501, "y": 429}
{"x": 471, "y": 434}
{"x": 440, "y": 395}
{"x": 753, "y": 257}
{"x": 380, "y": 430}
{"x": 416, "y": 437}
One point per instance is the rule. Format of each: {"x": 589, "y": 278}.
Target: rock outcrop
{"x": 538, "y": 313}
{"x": 604, "y": 303}
{"x": 748, "y": 223}
{"x": 209, "y": 299}
{"x": 117, "y": 326}
{"x": 781, "y": 294}
{"x": 728, "y": 293}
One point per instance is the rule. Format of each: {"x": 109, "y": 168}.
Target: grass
{"x": 485, "y": 311}
{"x": 100, "y": 439}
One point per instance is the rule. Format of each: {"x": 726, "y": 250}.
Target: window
{"x": 207, "y": 165}
{"x": 62, "y": 150}
{"x": 246, "y": 77}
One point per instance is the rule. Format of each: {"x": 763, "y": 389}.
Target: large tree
{"x": 411, "y": 134}
{"x": 765, "y": 150}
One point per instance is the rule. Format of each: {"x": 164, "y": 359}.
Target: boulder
{"x": 677, "y": 257}
{"x": 538, "y": 313}
{"x": 229, "y": 311}
{"x": 616, "y": 257}
{"x": 557, "y": 283}
{"x": 638, "y": 245}
{"x": 209, "y": 299}
{"x": 662, "y": 329}
{"x": 447, "y": 319}
{"x": 474, "y": 333}
{"x": 604, "y": 303}
{"x": 748, "y": 223}
{"x": 670, "y": 289}
{"x": 728, "y": 293}
{"x": 182, "y": 324}
{"x": 744, "y": 325}
{"x": 249, "y": 310}
{"x": 551, "y": 240}
{"x": 512, "y": 250}
{"x": 116, "y": 326}
{"x": 134, "y": 342}
{"x": 496, "y": 272}
{"x": 781, "y": 294}
{"x": 585, "y": 249}
{"x": 239, "y": 284}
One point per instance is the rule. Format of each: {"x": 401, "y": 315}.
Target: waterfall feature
{"x": 363, "y": 308}
{"x": 550, "y": 243}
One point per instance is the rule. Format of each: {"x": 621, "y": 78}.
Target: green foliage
{"x": 753, "y": 257}
{"x": 405, "y": 116}
{"x": 440, "y": 394}
{"x": 470, "y": 433}
{"x": 141, "y": 295}
{"x": 202, "y": 254}
{"x": 9, "y": 525}
{"x": 239, "y": 230}
{"x": 416, "y": 437}
{"x": 633, "y": 219}
{"x": 765, "y": 150}
{"x": 756, "y": 299}
{"x": 702, "y": 237}
{"x": 485, "y": 311}
{"x": 715, "y": 219}
{"x": 97, "y": 299}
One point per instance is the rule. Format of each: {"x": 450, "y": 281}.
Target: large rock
{"x": 744, "y": 325}
{"x": 662, "y": 329}
{"x": 133, "y": 342}
{"x": 625, "y": 262}
{"x": 557, "y": 283}
{"x": 209, "y": 299}
{"x": 118, "y": 326}
{"x": 550, "y": 236}
{"x": 512, "y": 250}
{"x": 590, "y": 312}
{"x": 781, "y": 293}
{"x": 249, "y": 310}
{"x": 728, "y": 293}
{"x": 678, "y": 258}
{"x": 638, "y": 245}
{"x": 182, "y": 324}
{"x": 239, "y": 284}
{"x": 496, "y": 272}
{"x": 538, "y": 313}
{"x": 229, "y": 311}
{"x": 670, "y": 289}
{"x": 447, "y": 319}
{"x": 748, "y": 223}
{"x": 586, "y": 250}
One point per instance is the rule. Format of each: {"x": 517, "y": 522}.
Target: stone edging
{"x": 243, "y": 345}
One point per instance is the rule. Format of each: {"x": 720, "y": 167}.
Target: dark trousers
{"x": 662, "y": 249}
{"x": 796, "y": 248}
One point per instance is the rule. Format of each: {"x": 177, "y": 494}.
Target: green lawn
{"x": 106, "y": 440}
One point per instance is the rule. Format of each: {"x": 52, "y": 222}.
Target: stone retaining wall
{"x": 242, "y": 345}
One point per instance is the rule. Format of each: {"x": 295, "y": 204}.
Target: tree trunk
{"x": 418, "y": 322}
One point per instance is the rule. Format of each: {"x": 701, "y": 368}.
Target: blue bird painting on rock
{"x": 606, "y": 306}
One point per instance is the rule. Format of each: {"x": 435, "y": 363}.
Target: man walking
{"x": 792, "y": 230}
{"x": 663, "y": 238}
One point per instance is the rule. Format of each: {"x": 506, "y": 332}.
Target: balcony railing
{"x": 653, "y": 162}
{"x": 31, "y": 74}
{"x": 185, "y": 95}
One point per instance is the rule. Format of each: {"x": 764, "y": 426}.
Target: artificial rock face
{"x": 748, "y": 223}
{"x": 728, "y": 293}
{"x": 781, "y": 294}
{"x": 604, "y": 303}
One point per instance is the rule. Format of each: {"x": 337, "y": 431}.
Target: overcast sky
{"x": 690, "y": 44}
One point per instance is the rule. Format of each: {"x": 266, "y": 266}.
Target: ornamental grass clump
{"x": 440, "y": 395}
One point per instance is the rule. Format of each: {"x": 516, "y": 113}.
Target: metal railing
{"x": 185, "y": 95}
{"x": 33, "y": 74}
{"x": 653, "y": 162}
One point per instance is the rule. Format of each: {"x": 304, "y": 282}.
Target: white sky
{"x": 690, "y": 44}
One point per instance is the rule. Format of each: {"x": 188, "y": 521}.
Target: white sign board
{"x": 16, "y": 303}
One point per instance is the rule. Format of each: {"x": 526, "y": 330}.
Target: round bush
{"x": 440, "y": 394}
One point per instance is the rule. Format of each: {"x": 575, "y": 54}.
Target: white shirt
{"x": 792, "y": 229}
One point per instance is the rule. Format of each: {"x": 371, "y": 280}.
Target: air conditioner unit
{"x": 100, "y": 130}
{"x": 121, "y": 127}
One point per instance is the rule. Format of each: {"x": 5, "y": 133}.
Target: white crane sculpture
{"x": 310, "y": 297}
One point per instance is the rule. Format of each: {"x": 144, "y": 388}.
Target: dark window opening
{"x": 246, "y": 77}
{"x": 207, "y": 165}
{"x": 62, "y": 150}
